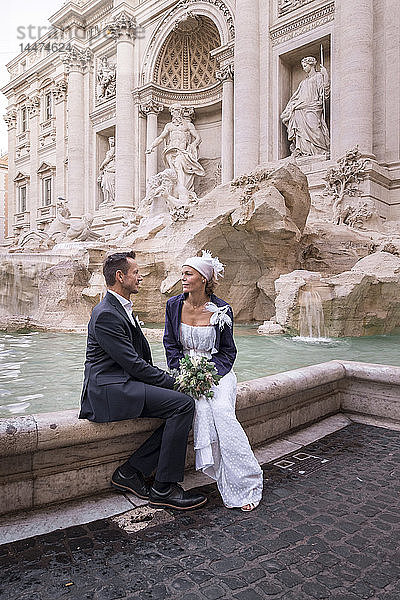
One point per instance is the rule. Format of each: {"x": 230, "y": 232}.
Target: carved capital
{"x": 59, "y": 91}
{"x": 225, "y": 73}
{"x": 33, "y": 106}
{"x": 76, "y": 59}
{"x": 11, "y": 118}
{"x": 123, "y": 26}
{"x": 151, "y": 107}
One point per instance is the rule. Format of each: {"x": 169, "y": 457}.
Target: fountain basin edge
{"x": 53, "y": 457}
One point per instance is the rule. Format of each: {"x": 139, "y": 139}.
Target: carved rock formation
{"x": 362, "y": 301}
{"x": 253, "y": 226}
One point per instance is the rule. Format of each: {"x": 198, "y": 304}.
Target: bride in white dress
{"x": 199, "y": 323}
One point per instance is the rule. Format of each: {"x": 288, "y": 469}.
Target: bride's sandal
{"x": 249, "y": 507}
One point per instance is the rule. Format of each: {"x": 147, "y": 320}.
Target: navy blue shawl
{"x": 224, "y": 343}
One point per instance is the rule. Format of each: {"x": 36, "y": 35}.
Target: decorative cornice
{"x": 224, "y": 54}
{"x": 59, "y": 91}
{"x": 105, "y": 112}
{"x": 316, "y": 18}
{"x": 46, "y": 168}
{"x": 123, "y": 26}
{"x": 11, "y": 118}
{"x": 225, "y": 73}
{"x": 76, "y": 59}
{"x": 151, "y": 107}
{"x": 166, "y": 96}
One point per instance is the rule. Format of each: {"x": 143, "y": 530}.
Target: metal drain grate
{"x": 301, "y": 463}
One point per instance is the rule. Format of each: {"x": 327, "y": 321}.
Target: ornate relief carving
{"x": 312, "y": 20}
{"x": 122, "y": 26}
{"x": 225, "y": 73}
{"x": 106, "y": 79}
{"x": 344, "y": 180}
{"x": 184, "y": 61}
{"x": 76, "y": 59}
{"x": 33, "y": 106}
{"x": 286, "y": 6}
{"x": 59, "y": 91}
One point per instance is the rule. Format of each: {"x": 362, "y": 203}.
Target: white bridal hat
{"x": 206, "y": 265}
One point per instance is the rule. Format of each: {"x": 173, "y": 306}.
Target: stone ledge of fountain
{"x": 53, "y": 457}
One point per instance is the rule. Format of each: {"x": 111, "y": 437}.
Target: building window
{"x": 46, "y": 191}
{"x": 47, "y": 106}
{"x": 24, "y": 119}
{"x": 22, "y": 199}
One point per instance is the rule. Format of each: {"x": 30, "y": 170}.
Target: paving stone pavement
{"x": 328, "y": 527}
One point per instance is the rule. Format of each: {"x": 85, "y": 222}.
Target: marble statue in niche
{"x": 304, "y": 114}
{"x": 180, "y": 154}
{"x": 106, "y": 177}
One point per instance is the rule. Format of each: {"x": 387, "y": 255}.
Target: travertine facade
{"x": 90, "y": 98}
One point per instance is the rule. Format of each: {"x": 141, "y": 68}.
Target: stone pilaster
{"x": 225, "y": 74}
{"x": 34, "y": 191}
{"x": 247, "y": 86}
{"x": 151, "y": 110}
{"x": 352, "y": 119}
{"x": 123, "y": 30}
{"x": 11, "y": 120}
{"x": 77, "y": 62}
{"x": 60, "y": 95}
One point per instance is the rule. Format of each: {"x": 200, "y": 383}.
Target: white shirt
{"x": 127, "y": 306}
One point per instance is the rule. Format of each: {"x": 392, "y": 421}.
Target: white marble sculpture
{"x": 106, "y": 80}
{"x": 304, "y": 114}
{"x": 160, "y": 189}
{"x": 58, "y": 228}
{"x": 106, "y": 178}
{"x": 180, "y": 154}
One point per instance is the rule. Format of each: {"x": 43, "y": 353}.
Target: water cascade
{"x": 311, "y": 320}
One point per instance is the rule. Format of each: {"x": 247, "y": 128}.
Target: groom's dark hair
{"x": 116, "y": 262}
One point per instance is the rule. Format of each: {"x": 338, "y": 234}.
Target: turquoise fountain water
{"x": 42, "y": 372}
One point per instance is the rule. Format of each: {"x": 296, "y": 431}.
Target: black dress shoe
{"x": 134, "y": 483}
{"x": 177, "y": 498}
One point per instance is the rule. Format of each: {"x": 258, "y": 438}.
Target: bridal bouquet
{"x": 196, "y": 376}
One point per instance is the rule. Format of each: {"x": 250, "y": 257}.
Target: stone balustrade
{"x": 54, "y": 457}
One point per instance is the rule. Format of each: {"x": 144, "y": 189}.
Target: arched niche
{"x": 185, "y": 61}
{"x": 220, "y": 15}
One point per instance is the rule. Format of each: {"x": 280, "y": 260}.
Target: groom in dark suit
{"x": 121, "y": 383}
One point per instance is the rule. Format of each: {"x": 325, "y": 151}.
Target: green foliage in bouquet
{"x": 196, "y": 376}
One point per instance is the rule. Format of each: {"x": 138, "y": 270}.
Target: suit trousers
{"x": 165, "y": 450}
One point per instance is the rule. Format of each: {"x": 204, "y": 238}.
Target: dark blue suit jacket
{"x": 224, "y": 343}
{"x": 118, "y": 366}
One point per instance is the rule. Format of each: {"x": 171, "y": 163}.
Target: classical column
{"x": 76, "y": 61}
{"x": 151, "y": 109}
{"x": 59, "y": 95}
{"x": 11, "y": 119}
{"x": 352, "y": 122}
{"x": 122, "y": 29}
{"x": 225, "y": 74}
{"x": 247, "y": 86}
{"x": 34, "y": 191}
